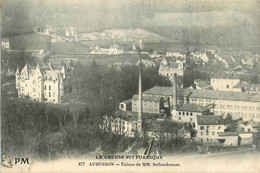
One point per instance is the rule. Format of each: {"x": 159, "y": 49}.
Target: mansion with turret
{"x": 43, "y": 84}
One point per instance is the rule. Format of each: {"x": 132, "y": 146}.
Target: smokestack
{"x": 140, "y": 99}
{"x": 174, "y": 87}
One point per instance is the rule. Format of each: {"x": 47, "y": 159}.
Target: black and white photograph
{"x": 130, "y": 86}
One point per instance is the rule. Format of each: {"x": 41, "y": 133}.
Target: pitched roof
{"x": 145, "y": 97}
{"x": 203, "y": 84}
{"x": 210, "y": 120}
{"x": 173, "y": 65}
{"x": 223, "y": 95}
{"x": 164, "y": 91}
{"x": 200, "y": 83}
{"x": 192, "y": 108}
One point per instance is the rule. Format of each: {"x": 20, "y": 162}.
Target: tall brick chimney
{"x": 140, "y": 94}
{"x": 174, "y": 88}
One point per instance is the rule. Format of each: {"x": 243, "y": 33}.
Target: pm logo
{"x": 21, "y": 161}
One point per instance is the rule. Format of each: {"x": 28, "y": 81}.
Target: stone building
{"x": 43, "y": 84}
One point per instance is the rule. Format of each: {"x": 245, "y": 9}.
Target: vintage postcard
{"x": 130, "y": 86}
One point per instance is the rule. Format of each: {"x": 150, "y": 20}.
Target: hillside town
{"x": 146, "y": 84}
{"x": 196, "y": 112}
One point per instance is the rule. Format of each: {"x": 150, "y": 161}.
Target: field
{"x": 100, "y": 59}
{"x": 29, "y": 41}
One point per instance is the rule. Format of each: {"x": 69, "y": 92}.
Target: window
{"x": 179, "y": 118}
{"x": 222, "y": 106}
{"x": 213, "y": 133}
{"x": 237, "y": 107}
{"x": 49, "y": 87}
{"x": 251, "y": 108}
{"x": 191, "y": 114}
{"x": 227, "y": 86}
{"x": 49, "y": 94}
{"x": 244, "y": 108}
{"x": 183, "y": 113}
{"x": 190, "y": 119}
{"x": 53, "y": 94}
{"x": 179, "y": 113}
{"x": 229, "y": 106}
{"x": 202, "y": 128}
{"x": 201, "y": 133}
{"x": 187, "y": 113}
{"x": 122, "y": 106}
{"x": 45, "y": 87}
{"x": 251, "y": 115}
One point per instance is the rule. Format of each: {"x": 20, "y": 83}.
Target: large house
{"x": 188, "y": 113}
{"x": 208, "y": 128}
{"x": 115, "y": 49}
{"x": 237, "y": 104}
{"x": 224, "y": 83}
{"x": 43, "y": 84}
{"x": 169, "y": 66}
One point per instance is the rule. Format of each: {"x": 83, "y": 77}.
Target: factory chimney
{"x": 174, "y": 88}
{"x": 140, "y": 99}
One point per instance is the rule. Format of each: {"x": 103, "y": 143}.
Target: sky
{"x": 94, "y": 15}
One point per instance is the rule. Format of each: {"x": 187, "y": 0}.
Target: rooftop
{"x": 224, "y": 95}
{"x": 210, "y": 120}
{"x": 164, "y": 91}
{"x": 193, "y": 108}
{"x": 145, "y": 97}
{"x": 200, "y": 83}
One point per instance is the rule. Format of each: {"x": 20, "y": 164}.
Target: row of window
{"x": 53, "y": 95}
{"x": 207, "y": 133}
{"x": 190, "y": 119}
{"x": 208, "y": 127}
{"x": 45, "y": 87}
{"x": 185, "y": 113}
{"x": 237, "y": 107}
